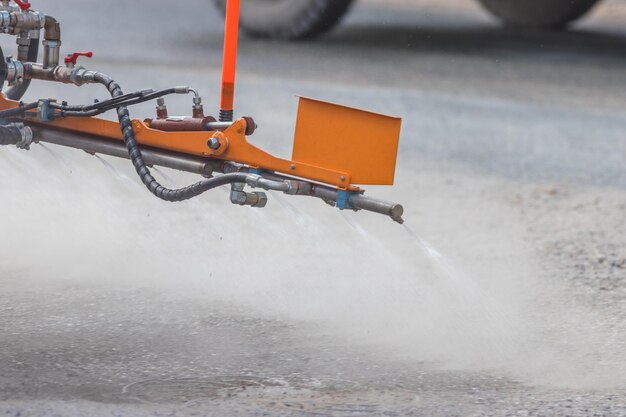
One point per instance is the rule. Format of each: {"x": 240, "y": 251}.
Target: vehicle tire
{"x": 538, "y": 13}
{"x": 289, "y": 19}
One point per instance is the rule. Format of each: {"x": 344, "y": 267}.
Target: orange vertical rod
{"x": 229, "y": 64}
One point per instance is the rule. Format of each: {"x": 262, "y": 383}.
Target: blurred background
{"x": 504, "y": 295}
{"x": 306, "y": 19}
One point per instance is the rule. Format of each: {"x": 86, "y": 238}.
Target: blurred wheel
{"x": 289, "y": 19}
{"x": 538, "y": 13}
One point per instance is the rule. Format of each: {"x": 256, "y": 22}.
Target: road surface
{"x": 504, "y": 296}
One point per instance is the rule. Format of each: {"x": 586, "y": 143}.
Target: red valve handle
{"x": 72, "y": 58}
{"x": 24, "y": 5}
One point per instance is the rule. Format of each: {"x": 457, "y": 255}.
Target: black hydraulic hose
{"x": 96, "y": 109}
{"x": 108, "y": 104}
{"x": 17, "y": 111}
{"x": 10, "y": 135}
{"x": 131, "y": 99}
{"x": 18, "y": 91}
{"x": 134, "y": 152}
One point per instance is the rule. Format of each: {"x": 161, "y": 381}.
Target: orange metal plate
{"x": 345, "y": 139}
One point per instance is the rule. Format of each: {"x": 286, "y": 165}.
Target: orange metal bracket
{"x": 237, "y": 149}
{"x": 334, "y": 145}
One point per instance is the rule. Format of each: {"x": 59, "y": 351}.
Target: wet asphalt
{"x": 114, "y": 305}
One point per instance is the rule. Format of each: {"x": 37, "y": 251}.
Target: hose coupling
{"x": 240, "y": 197}
{"x": 161, "y": 109}
{"x": 197, "y": 108}
{"x": 27, "y": 136}
{"x": 16, "y": 134}
{"x": 80, "y": 75}
{"x": 287, "y": 187}
{"x": 254, "y": 181}
{"x": 298, "y": 188}
{"x": 15, "y": 72}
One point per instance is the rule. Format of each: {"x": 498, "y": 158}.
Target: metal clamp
{"x": 343, "y": 200}
{"x": 15, "y": 71}
{"x": 45, "y": 113}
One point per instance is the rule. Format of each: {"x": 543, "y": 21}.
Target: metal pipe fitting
{"x": 80, "y": 75}
{"x": 51, "y": 53}
{"x": 361, "y": 202}
{"x": 23, "y": 45}
{"x": 198, "y": 109}
{"x": 161, "y": 109}
{"x": 221, "y": 126}
{"x": 7, "y": 6}
{"x": 240, "y": 197}
{"x": 35, "y": 71}
{"x": 257, "y": 181}
{"x": 395, "y": 211}
{"x": 34, "y": 34}
{"x": 298, "y": 187}
{"x": 356, "y": 200}
{"x": 27, "y": 136}
{"x": 15, "y": 72}
{"x": 16, "y": 134}
{"x": 52, "y": 42}
{"x": 217, "y": 126}
{"x": 24, "y": 21}
{"x": 60, "y": 73}
{"x": 290, "y": 187}
{"x": 182, "y": 89}
{"x": 13, "y": 20}
{"x": 196, "y": 94}
{"x": 6, "y": 20}
{"x": 52, "y": 29}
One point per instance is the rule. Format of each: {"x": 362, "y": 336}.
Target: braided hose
{"x": 172, "y": 195}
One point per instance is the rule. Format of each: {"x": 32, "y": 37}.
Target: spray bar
{"x": 154, "y": 157}
{"x": 356, "y": 201}
{"x": 362, "y": 202}
{"x": 93, "y": 144}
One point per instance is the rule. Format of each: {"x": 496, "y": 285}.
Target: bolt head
{"x": 214, "y": 143}
{"x": 251, "y": 125}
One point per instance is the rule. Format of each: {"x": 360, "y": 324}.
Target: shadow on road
{"x": 593, "y": 45}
